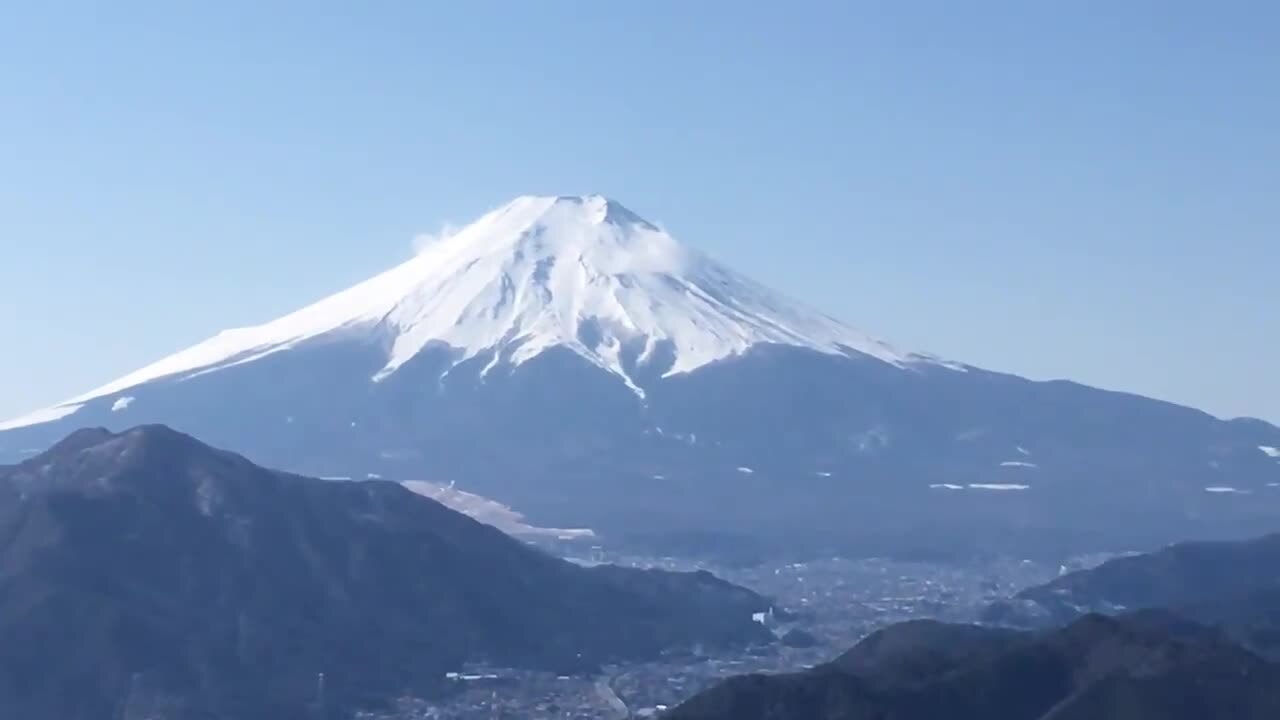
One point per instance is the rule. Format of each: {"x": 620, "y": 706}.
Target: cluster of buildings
{"x": 838, "y": 601}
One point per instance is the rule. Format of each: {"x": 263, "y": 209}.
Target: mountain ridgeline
{"x": 1186, "y": 633}
{"x": 1231, "y": 585}
{"x": 1148, "y": 666}
{"x": 570, "y": 359}
{"x": 146, "y": 574}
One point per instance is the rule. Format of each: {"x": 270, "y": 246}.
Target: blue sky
{"x": 1084, "y": 190}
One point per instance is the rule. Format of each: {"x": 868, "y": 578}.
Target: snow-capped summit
{"x": 576, "y": 363}
{"x": 582, "y": 273}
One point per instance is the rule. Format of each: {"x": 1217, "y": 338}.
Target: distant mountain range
{"x": 575, "y": 362}
{"x": 144, "y": 574}
{"x": 1149, "y": 666}
{"x": 1232, "y": 585}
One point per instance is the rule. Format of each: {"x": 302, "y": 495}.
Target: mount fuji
{"x": 569, "y": 358}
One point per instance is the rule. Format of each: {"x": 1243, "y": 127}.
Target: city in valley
{"x": 824, "y": 607}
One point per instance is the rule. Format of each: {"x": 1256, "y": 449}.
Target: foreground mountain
{"x": 145, "y": 574}
{"x": 1145, "y": 667}
{"x": 1232, "y": 585}
{"x": 570, "y": 360}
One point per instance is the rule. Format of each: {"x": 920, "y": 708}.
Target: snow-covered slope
{"x": 583, "y": 273}
{"x": 576, "y": 364}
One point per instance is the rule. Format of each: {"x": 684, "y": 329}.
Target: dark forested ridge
{"x": 1150, "y": 666}
{"x": 146, "y": 572}
{"x": 1188, "y": 632}
{"x": 1232, "y": 585}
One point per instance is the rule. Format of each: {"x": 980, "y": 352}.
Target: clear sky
{"x": 1087, "y": 190}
